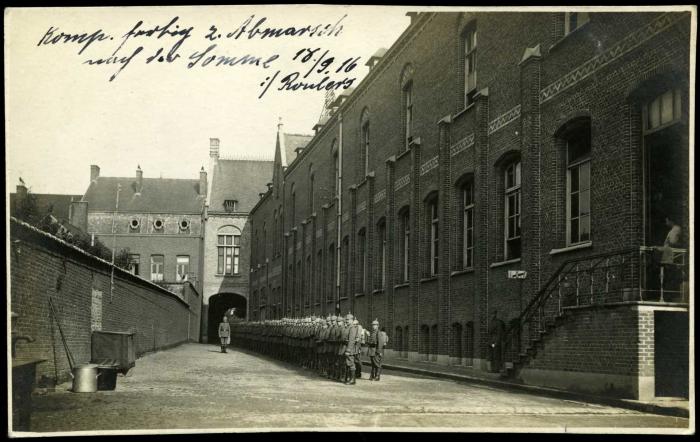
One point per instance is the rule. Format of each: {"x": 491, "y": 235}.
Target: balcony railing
{"x": 649, "y": 274}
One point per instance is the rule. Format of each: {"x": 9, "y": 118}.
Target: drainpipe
{"x": 340, "y": 208}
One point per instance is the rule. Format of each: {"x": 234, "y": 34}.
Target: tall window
{"x": 468, "y": 225}
{"x": 336, "y": 170}
{"x": 134, "y": 263}
{"x": 434, "y": 236}
{"x": 319, "y": 277}
{"x": 293, "y": 208}
{"x": 275, "y": 238}
{"x": 229, "y": 251}
{"x": 157, "y": 264}
{"x": 311, "y": 194}
{"x": 408, "y": 112}
{"x": 362, "y": 259}
{"x": 512, "y": 178}
{"x": 381, "y": 242}
{"x": 469, "y": 65}
{"x": 346, "y": 266}
{"x": 331, "y": 272}
{"x": 308, "y": 283}
{"x": 405, "y": 243}
{"x": 574, "y": 20}
{"x": 183, "y": 268}
{"x": 264, "y": 243}
{"x": 578, "y": 183}
{"x": 365, "y": 148}
{"x": 663, "y": 110}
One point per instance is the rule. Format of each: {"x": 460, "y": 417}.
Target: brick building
{"x": 235, "y": 188}
{"x": 159, "y": 220}
{"x": 555, "y": 144}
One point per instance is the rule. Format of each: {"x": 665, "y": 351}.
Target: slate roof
{"x": 240, "y": 180}
{"x": 44, "y": 201}
{"x": 291, "y": 143}
{"x": 164, "y": 195}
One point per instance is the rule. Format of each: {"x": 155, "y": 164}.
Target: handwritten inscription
{"x": 312, "y": 68}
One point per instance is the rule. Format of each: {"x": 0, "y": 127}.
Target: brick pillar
{"x": 416, "y": 255}
{"x": 390, "y": 249}
{"x": 295, "y": 273}
{"x": 352, "y": 275}
{"x": 636, "y": 234}
{"x": 531, "y": 161}
{"x": 481, "y": 230}
{"x": 315, "y": 289}
{"x": 445, "y": 239}
{"x": 371, "y": 247}
{"x": 304, "y": 285}
{"x": 285, "y": 275}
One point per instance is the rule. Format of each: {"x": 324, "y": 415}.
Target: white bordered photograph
{"x": 275, "y": 218}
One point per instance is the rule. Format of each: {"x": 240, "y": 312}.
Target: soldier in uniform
{"x": 376, "y": 342}
{"x": 330, "y": 347}
{"x": 351, "y": 337}
{"x": 497, "y": 329}
{"x": 341, "y": 345}
{"x": 358, "y": 348}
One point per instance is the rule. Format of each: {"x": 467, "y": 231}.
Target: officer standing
{"x": 377, "y": 341}
{"x": 351, "y": 338}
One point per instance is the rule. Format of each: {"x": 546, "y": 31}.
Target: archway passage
{"x": 220, "y": 305}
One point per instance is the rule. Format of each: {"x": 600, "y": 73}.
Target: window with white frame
{"x": 469, "y": 43}
{"x": 134, "y": 263}
{"x": 663, "y": 110}
{"x": 512, "y": 178}
{"x": 434, "y": 236}
{"x": 231, "y": 205}
{"x": 578, "y": 184}
{"x": 229, "y": 251}
{"x": 405, "y": 244}
{"x": 468, "y": 225}
{"x": 157, "y": 266}
{"x": 183, "y": 268}
{"x": 408, "y": 113}
{"x": 574, "y": 20}
{"x": 365, "y": 148}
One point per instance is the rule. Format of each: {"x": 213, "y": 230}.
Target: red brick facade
{"x": 533, "y": 81}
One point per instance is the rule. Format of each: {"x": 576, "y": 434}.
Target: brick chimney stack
{"x": 214, "y": 148}
{"x": 139, "y": 179}
{"x": 94, "y": 172}
{"x": 202, "y": 182}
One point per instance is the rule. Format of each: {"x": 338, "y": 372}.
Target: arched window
{"x": 466, "y": 194}
{"x": 292, "y": 207}
{"x": 336, "y": 169}
{"x": 346, "y": 266}
{"x": 405, "y": 242}
{"x": 469, "y": 60}
{"x": 407, "y": 105}
{"x": 330, "y": 272}
{"x": 364, "y": 143}
{"x": 311, "y": 192}
{"x": 433, "y": 231}
{"x": 308, "y": 283}
{"x": 512, "y": 177}
{"x": 319, "y": 277}
{"x": 228, "y": 250}
{"x": 362, "y": 259}
{"x": 381, "y": 254}
{"x": 578, "y": 181}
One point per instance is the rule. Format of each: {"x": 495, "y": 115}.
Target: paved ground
{"x": 195, "y": 387}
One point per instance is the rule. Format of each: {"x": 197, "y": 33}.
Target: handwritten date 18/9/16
{"x": 322, "y": 64}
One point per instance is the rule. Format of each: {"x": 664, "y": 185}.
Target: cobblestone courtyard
{"x": 196, "y": 387}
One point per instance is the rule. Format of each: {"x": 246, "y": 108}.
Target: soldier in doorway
{"x": 224, "y": 333}
{"x": 497, "y": 331}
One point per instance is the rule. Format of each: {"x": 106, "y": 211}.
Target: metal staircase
{"x": 625, "y": 275}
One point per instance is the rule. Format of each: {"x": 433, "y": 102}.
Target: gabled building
{"x": 160, "y": 221}
{"x": 236, "y": 185}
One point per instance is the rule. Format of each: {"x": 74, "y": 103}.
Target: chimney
{"x": 139, "y": 179}
{"x": 79, "y": 214}
{"x": 214, "y": 148}
{"x": 202, "y": 182}
{"x": 413, "y": 15}
{"x": 21, "y": 191}
{"x": 94, "y": 172}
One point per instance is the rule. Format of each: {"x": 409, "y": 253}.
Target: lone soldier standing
{"x": 497, "y": 331}
{"x": 224, "y": 333}
{"x": 377, "y": 341}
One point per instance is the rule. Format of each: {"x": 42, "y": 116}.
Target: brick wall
{"x": 518, "y": 109}
{"x": 43, "y": 267}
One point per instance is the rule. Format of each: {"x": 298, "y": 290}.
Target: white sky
{"x": 63, "y": 115}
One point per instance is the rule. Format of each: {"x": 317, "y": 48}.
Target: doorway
{"x": 671, "y": 360}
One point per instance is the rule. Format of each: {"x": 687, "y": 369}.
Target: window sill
{"x": 403, "y": 284}
{"x": 235, "y": 275}
{"x": 377, "y": 291}
{"x": 585, "y": 245}
{"x": 505, "y": 263}
{"x": 428, "y": 279}
{"x": 463, "y": 111}
{"x": 558, "y": 43}
{"x": 343, "y": 298}
{"x": 403, "y": 154}
{"x": 462, "y": 272}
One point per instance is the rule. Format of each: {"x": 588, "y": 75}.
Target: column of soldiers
{"x": 331, "y": 346}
